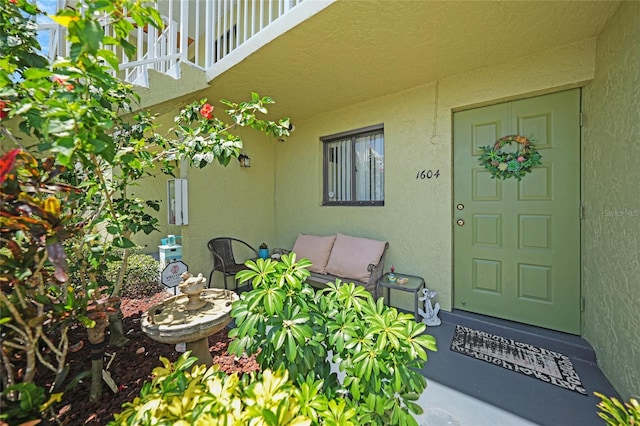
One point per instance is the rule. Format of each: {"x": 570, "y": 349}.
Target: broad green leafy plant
{"x": 206, "y": 396}
{"x": 378, "y": 350}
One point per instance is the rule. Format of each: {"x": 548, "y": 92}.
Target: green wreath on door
{"x": 505, "y": 165}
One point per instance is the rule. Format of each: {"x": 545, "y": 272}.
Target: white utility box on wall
{"x": 177, "y": 202}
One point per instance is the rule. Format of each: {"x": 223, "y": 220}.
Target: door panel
{"x": 517, "y": 251}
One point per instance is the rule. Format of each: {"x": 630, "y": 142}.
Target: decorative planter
{"x": 263, "y": 253}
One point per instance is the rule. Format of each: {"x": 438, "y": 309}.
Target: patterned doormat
{"x": 542, "y": 364}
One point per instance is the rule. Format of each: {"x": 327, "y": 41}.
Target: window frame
{"x": 352, "y": 135}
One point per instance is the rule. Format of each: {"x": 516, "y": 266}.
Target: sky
{"x": 50, "y": 7}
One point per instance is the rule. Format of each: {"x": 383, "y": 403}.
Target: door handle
{"x": 460, "y": 222}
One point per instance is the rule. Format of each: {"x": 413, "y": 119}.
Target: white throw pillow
{"x": 350, "y": 257}
{"x": 315, "y": 248}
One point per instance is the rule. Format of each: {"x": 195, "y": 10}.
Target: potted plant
{"x": 263, "y": 251}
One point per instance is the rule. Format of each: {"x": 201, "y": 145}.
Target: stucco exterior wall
{"x": 230, "y": 202}
{"x": 611, "y": 247}
{"x": 154, "y": 187}
{"x": 223, "y": 201}
{"x": 417, "y": 216}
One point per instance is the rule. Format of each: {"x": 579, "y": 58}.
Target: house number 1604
{"x": 428, "y": 174}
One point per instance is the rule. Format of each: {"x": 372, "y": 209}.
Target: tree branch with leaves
{"x": 79, "y": 147}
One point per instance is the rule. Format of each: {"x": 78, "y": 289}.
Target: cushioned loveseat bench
{"x": 350, "y": 259}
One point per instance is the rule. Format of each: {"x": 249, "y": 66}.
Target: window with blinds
{"x": 354, "y": 168}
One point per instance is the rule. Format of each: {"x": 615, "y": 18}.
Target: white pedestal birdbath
{"x": 190, "y": 317}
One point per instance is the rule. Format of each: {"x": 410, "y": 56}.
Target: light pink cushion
{"x": 350, "y": 257}
{"x": 315, "y": 248}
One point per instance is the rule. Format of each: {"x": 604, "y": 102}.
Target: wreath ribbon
{"x": 522, "y": 140}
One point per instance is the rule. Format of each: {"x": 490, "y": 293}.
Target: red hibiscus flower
{"x": 207, "y": 111}
{"x": 3, "y": 112}
{"x": 63, "y": 81}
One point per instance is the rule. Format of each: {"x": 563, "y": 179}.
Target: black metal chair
{"x": 224, "y": 260}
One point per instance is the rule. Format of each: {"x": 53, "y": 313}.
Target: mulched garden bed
{"x": 131, "y": 366}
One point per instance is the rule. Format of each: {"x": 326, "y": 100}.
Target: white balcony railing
{"x": 197, "y": 32}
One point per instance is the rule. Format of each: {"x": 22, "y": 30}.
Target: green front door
{"x": 517, "y": 244}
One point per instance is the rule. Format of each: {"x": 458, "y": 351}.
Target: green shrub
{"x": 142, "y": 278}
{"x": 288, "y": 325}
{"x": 206, "y": 396}
{"x": 615, "y": 413}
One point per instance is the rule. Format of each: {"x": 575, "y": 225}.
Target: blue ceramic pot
{"x": 263, "y": 253}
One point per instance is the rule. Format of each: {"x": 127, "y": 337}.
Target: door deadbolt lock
{"x": 460, "y": 222}
{"x": 460, "y": 207}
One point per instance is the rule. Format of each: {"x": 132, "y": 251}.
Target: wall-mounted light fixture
{"x": 244, "y": 160}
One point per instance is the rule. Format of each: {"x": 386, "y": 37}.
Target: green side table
{"x": 414, "y": 285}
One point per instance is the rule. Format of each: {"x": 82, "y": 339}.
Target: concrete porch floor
{"x": 466, "y": 391}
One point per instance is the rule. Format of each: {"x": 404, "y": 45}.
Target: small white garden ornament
{"x": 430, "y": 313}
